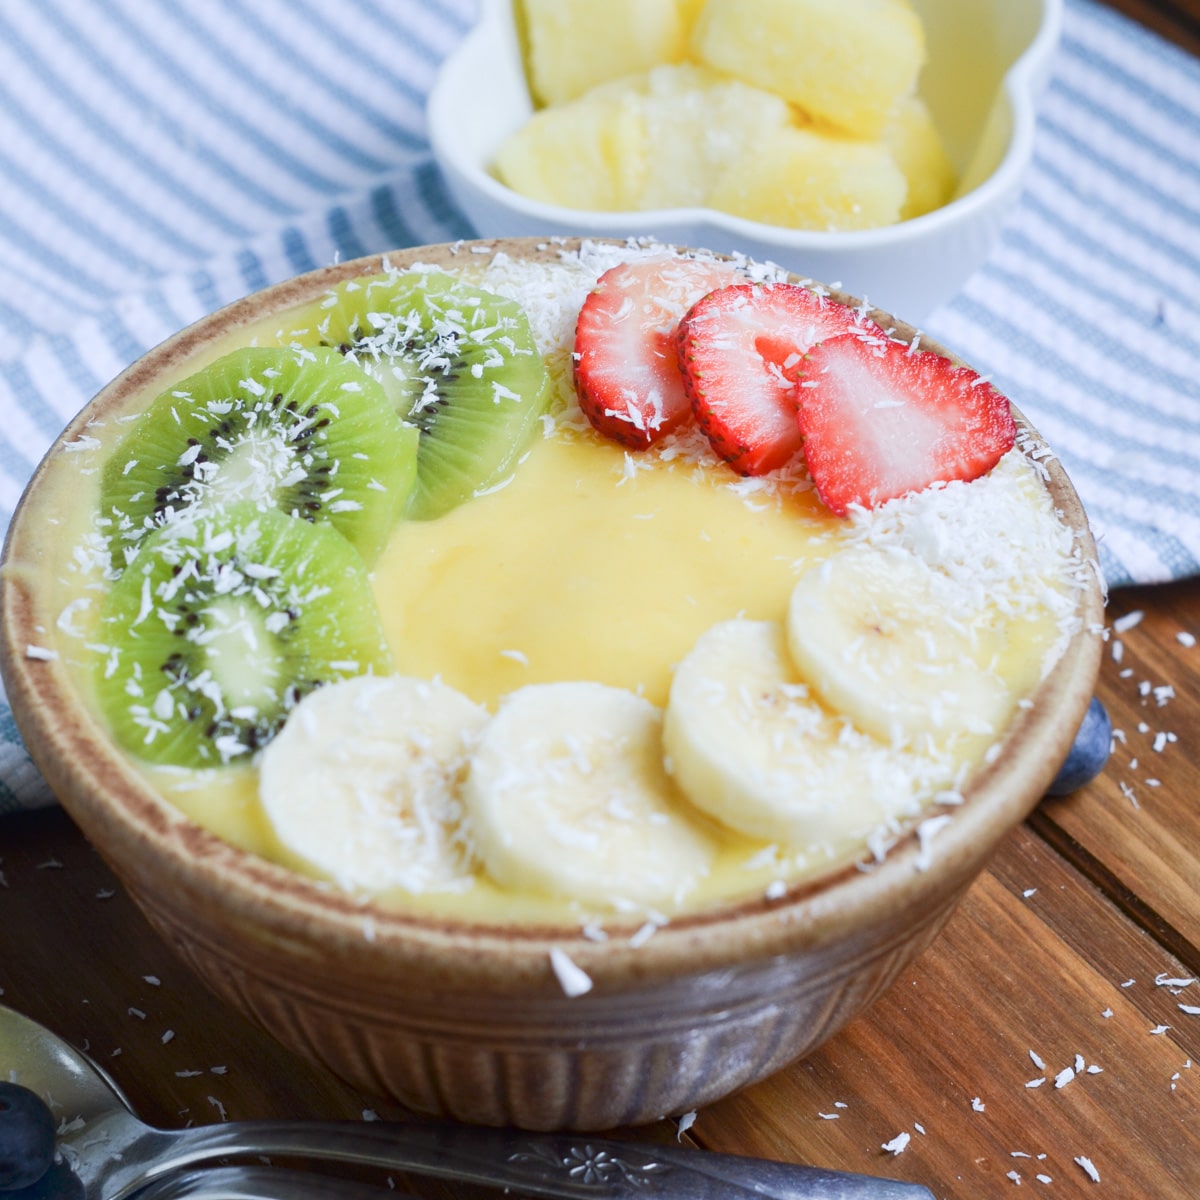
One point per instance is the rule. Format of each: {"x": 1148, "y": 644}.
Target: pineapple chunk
{"x": 689, "y": 10}
{"x": 915, "y": 145}
{"x": 575, "y": 44}
{"x": 655, "y": 140}
{"x": 589, "y": 154}
{"x": 697, "y": 122}
{"x": 845, "y": 62}
{"x": 812, "y": 179}
{"x": 685, "y": 136}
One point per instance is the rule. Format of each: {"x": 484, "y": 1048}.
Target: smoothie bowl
{"x": 549, "y": 683}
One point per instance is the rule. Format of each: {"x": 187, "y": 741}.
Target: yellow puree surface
{"x": 579, "y": 569}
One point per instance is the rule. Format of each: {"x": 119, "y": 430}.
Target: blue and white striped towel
{"x": 160, "y": 158}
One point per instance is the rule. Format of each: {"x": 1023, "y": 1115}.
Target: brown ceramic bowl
{"x": 469, "y": 1020}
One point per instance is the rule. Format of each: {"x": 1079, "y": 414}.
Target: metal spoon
{"x": 214, "y": 1183}
{"x": 108, "y": 1153}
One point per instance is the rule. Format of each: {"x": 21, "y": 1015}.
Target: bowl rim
{"x": 1020, "y": 85}
{"x": 141, "y": 833}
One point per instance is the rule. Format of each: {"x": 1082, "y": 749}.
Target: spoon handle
{"x": 255, "y": 1183}
{"x": 559, "y": 1167}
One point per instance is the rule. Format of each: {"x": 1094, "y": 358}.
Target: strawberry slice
{"x": 740, "y": 350}
{"x": 880, "y": 421}
{"x": 626, "y": 367}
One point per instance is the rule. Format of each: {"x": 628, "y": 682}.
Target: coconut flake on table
{"x": 1175, "y": 983}
{"x": 1128, "y": 621}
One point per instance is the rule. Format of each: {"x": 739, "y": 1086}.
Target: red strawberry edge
{"x": 740, "y": 351}
{"x": 880, "y": 420}
{"x": 626, "y": 369}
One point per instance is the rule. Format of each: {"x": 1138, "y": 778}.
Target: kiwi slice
{"x": 221, "y": 623}
{"x": 460, "y": 364}
{"x": 299, "y": 430}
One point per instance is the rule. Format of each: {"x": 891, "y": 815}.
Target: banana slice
{"x": 904, "y": 651}
{"x": 362, "y": 782}
{"x": 567, "y": 795}
{"x": 749, "y": 746}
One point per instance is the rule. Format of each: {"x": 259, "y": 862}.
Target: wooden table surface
{"x": 1070, "y": 954}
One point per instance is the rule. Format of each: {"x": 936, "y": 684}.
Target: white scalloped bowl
{"x": 988, "y": 62}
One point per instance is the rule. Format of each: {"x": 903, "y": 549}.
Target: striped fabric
{"x": 160, "y": 158}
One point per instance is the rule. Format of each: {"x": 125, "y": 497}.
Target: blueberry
{"x": 26, "y": 1137}
{"x": 1089, "y": 752}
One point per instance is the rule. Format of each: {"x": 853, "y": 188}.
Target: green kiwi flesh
{"x": 460, "y": 364}
{"x": 221, "y": 623}
{"x": 299, "y": 430}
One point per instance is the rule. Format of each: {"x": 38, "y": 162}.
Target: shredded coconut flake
{"x": 573, "y": 980}
{"x": 1128, "y": 621}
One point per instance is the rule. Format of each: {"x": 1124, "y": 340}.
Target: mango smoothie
{"x": 715, "y": 614}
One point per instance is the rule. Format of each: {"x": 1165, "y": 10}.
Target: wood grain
{"x": 106, "y": 982}
{"x": 1136, "y": 830}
